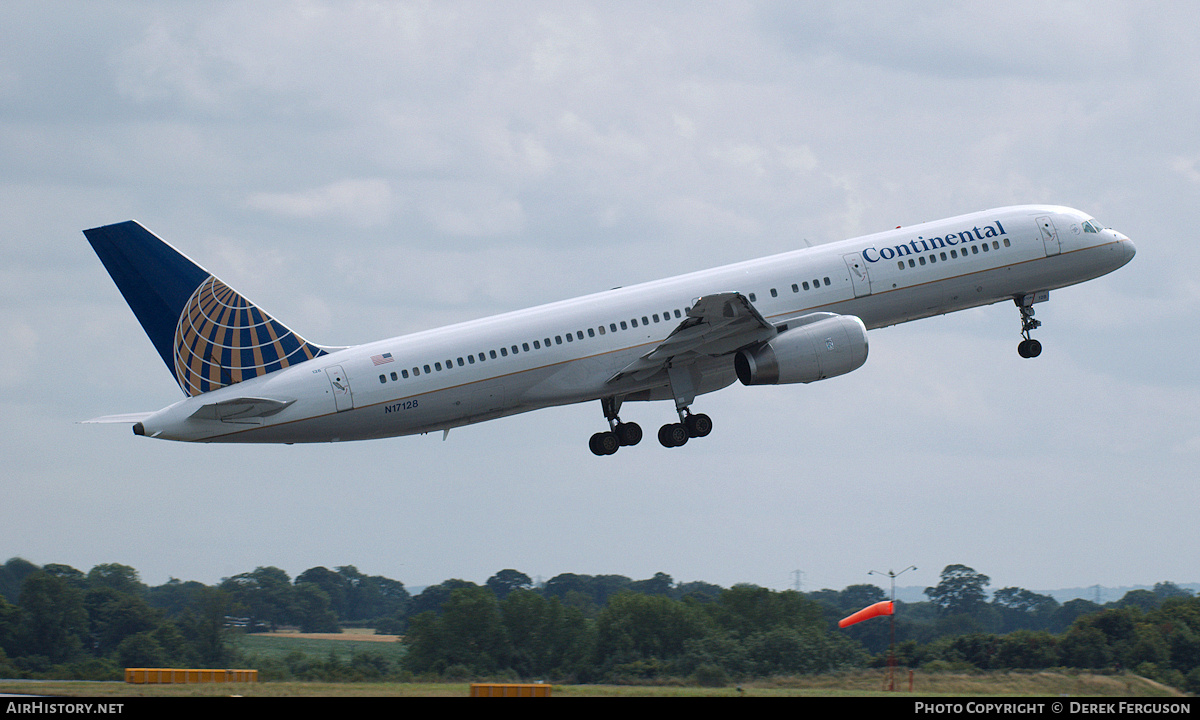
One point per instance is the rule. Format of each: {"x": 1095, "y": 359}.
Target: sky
{"x": 368, "y": 169}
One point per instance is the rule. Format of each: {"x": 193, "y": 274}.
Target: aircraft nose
{"x": 1130, "y": 249}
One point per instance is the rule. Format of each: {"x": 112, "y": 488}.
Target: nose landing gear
{"x": 1029, "y": 348}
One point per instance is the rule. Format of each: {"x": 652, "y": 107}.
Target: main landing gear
{"x": 619, "y": 434}
{"x": 1028, "y": 348}
{"x": 689, "y": 426}
{"x": 623, "y": 433}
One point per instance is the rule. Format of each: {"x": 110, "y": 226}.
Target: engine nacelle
{"x": 825, "y": 345}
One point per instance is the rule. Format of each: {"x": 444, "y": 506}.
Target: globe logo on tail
{"x": 222, "y": 339}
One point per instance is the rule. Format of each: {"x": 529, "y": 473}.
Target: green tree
{"x": 962, "y": 590}
{"x": 468, "y": 634}
{"x": 373, "y": 596}
{"x": 55, "y": 622}
{"x": 335, "y": 585}
{"x": 313, "y": 610}
{"x": 12, "y": 574}
{"x": 114, "y": 616}
{"x": 265, "y": 595}
{"x": 506, "y": 581}
{"x": 1027, "y": 649}
{"x": 203, "y": 626}
{"x": 634, "y": 627}
{"x": 121, "y": 578}
{"x": 545, "y": 636}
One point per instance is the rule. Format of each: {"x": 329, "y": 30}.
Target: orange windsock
{"x": 879, "y": 608}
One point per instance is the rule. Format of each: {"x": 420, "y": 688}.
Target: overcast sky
{"x": 362, "y": 170}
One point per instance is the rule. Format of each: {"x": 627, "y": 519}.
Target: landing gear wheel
{"x": 629, "y": 433}
{"x": 604, "y": 443}
{"x": 672, "y": 435}
{"x": 1029, "y": 348}
{"x": 698, "y": 425}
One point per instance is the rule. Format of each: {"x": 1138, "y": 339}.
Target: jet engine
{"x": 823, "y": 345}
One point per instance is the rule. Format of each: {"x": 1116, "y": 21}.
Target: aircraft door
{"x": 1049, "y": 235}
{"x": 859, "y": 277}
{"x": 339, "y": 385}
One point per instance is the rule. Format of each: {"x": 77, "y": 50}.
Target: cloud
{"x": 362, "y": 202}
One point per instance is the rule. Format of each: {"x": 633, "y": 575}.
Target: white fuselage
{"x": 569, "y": 351}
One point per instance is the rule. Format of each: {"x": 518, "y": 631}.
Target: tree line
{"x": 56, "y": 621}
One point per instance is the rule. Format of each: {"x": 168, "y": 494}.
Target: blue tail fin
{"x": 208, "y": 335}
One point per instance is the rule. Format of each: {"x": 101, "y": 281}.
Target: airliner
{"x": 797, "y": 317}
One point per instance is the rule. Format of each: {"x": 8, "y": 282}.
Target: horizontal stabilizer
{"x": 249, "y": 409}
{"x": 124, "y": 418}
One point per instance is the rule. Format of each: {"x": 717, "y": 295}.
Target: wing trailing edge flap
{"x": 716, "y": 324}
{"x": 249, "y": 410}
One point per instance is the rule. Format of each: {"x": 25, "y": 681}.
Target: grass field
{"x": 851, "y": 684}
{"x": 857, "y": 684}
{"x": 342, "y": 645}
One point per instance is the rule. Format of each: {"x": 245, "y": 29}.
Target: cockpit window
{"x": 1092, "y": 226}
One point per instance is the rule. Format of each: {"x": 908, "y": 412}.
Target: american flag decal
{"x": 382, "y": 359}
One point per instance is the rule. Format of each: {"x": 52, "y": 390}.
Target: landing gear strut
{"x": 1028, "y": 348}
{"x": 619, "y": 434}
{"x": 683, "y": 388}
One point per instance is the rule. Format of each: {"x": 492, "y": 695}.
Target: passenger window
{"x": 536, "y": 345}
{"x": 492, "y": 353}
{"x": 558, "y": 339}
{"x": 805, "y": 284}
{"x": 503, "y": 352}
{"x": 633, "y": 322}
{"x": 404, "y": 374}
{"x": 900, "y": 264}
{"x": 394, "y": 376}
{"x": 795, "y": 288}
{"x": 382, "y": 379}
{"x": 570, "y": 338}
{"x": 624, "y": 326}
{"x": 774, "y": 293}
{"x": 525, "y": 347}
{"x": 613, "y": 326}
{"x": 752, "y": 298}
{"x": 827, "y": 282}
{"x": 645, "y": 320}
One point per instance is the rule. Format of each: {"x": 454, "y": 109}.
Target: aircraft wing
{"x": 716, "y": 324}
